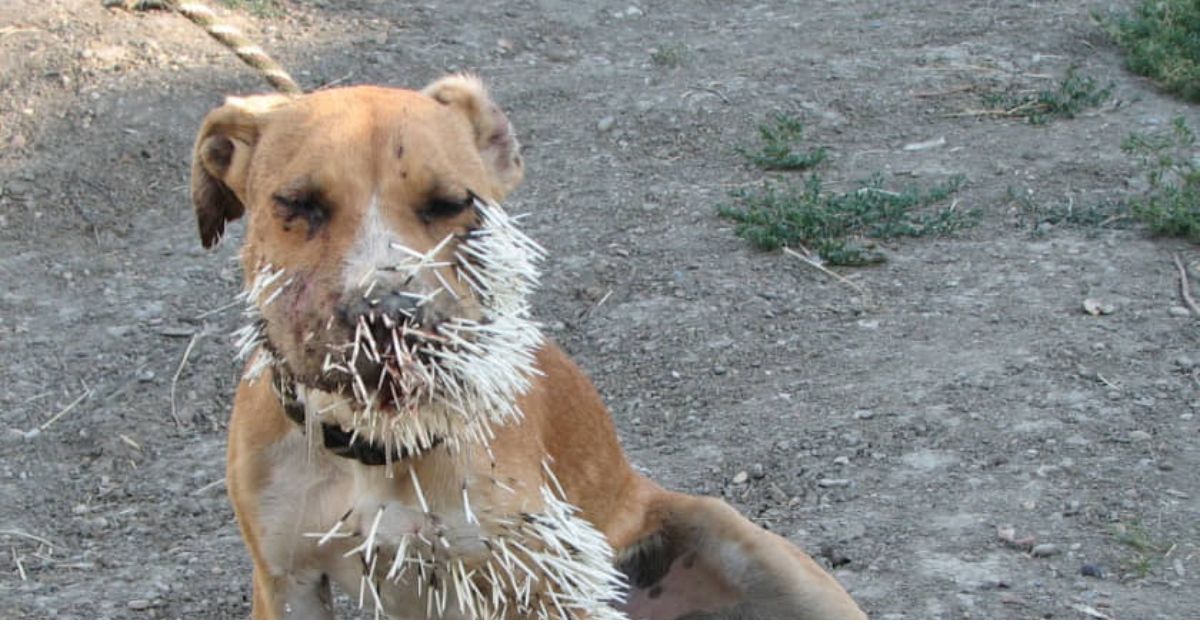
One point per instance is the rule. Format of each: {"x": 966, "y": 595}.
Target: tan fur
{"x": 370, "y": 149}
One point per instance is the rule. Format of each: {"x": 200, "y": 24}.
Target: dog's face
{"x": 376, "y": 260}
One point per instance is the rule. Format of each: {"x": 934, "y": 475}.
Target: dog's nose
{"x": 383, "y": 311}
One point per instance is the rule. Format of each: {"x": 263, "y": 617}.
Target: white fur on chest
{"x": 430, "y": 540}
{"x": 323, "y": 514}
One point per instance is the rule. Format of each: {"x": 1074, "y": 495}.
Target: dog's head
{"x": 378, "y": 265}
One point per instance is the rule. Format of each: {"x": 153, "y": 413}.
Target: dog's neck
{"x": 336, "y": 439}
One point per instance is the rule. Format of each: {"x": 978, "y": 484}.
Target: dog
{"x": 402, "y": 429}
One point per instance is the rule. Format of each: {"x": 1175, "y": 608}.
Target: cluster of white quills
{"x": 546, "y": 565}
{"x": 454, "y": 387}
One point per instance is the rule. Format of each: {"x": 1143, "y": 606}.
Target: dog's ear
{"x": 494, "y": 135}
{"x": 221, "y": 161}
{"x": 702, "y": 558}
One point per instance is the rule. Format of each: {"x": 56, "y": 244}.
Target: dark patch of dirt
{"x": 891, "y": 436}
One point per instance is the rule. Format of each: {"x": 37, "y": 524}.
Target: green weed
{"x": 1161, "y": 40}
{"x": 669, "y": 55}
{"x": 1146, "y": 550}
{"x": 779, "y": 149}
{"x": 1073, "y": 95}
{"x": 1171, "y": 206}
{"x": 257, "y": 8}
{"x": 839, "y": 226}
{"x": 1032, "y": 213}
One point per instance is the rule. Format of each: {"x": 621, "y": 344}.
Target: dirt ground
{"x": 898, "y": 437}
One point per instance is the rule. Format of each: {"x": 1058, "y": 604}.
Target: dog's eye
{"x": 308, "y": 207}
{"x": 442, "y": 208}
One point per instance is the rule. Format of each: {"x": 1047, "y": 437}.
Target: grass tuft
{"x": 1072, "y": 96}
{"x": 840, "y": 226}
{"x": 1171, "y": 206}
{"x": 257, "y": 8}
{"x": 669, "y": 55}
{"x": 1032, "y": 214}
{"x": 1161, "y": 40}
{"x": 779, "y": 149}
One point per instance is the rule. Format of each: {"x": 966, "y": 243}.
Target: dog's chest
{"x": 328, "y": 516}
{"x": 434, "y": 539}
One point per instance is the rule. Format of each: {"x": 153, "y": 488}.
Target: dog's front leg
{"x": 289, "y": 596}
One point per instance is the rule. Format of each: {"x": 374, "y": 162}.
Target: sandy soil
{"x": 893, "y": 436}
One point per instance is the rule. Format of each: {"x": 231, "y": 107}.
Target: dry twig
{"x": 831, "y": 273}
{"x": 29, "y": 536}
{"x": 1184, "y": 292}
{"x": 175, "y": 379}
{"x": 68, "y": 408}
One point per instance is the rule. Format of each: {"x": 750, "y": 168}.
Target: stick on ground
{"x": 65, "y": 410}
{"x": 1184, "y": 292}
{"x": 175, "y": 379}
{"x": 822, "y": 268}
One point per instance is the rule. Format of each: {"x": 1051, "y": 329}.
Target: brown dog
{"x": 402, "y": 428}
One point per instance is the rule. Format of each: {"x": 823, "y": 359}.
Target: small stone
{"x": 1179, "y": 312}
{"x": 145, "y": 376}
{"x": 1138, "y": 435}
{"x": 864, "y": 414}
{"x": 718, "y": 369}
{"x": 1185, "y": 363}
{"x": 741, "y": 477}
{"x": 79, "y": 509}
{"x": 841, "y": 460}
{"x": 1091, "y": 570}
{"x": 606, "y": 124}
{"x": 1097, "y": 307}
{"x": 139, "y": 604}
{"x": 1166, "y": 466}
{"x": 1045, "y": 550}
{"x": 833, "y": 483}
{"x": 757, "y": 471}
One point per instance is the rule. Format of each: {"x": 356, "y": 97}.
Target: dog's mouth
{"x": 396, "y": 367}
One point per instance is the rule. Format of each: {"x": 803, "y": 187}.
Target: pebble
{"x": 719, "y": 370}
{"x": 145, "y": 376}
{"x": 1181, "y": 312}
{"x": 1045, "y": 550}
{"x": 864, "y": 414}
{"x": 833, "y": 483}
{"x": 1185, "y": 363}
{"x": 139, "y": 604}
{"x": 841, "y": 460}
{"x": 1137, "y": 435}
{"x": 740, "y": 478}
{"x": 757, "y": 471}
{"x": 606, "y": 124}
{"x": 1091, "y": 570}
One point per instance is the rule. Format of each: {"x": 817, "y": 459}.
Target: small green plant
{"x": 780, "y": 138}
{"x": 839, "y": 226}
{"x": 1171, "y": 206}
{"x": 1031, "y": 213}
{"x": 1145, "y": 549}
{"x": 257, "y": 8}
{"x": 1161, "y": 40}
{"x": 669, "y": 55}
{"x": 1072, "y": 95}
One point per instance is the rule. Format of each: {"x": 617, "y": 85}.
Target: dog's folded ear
{"x": 494, "y": 135}
{"x": 221, "y": 161}
{"x": 701, "y": 558}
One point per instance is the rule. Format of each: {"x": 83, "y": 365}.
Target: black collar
{"x": 337, "y": 440}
